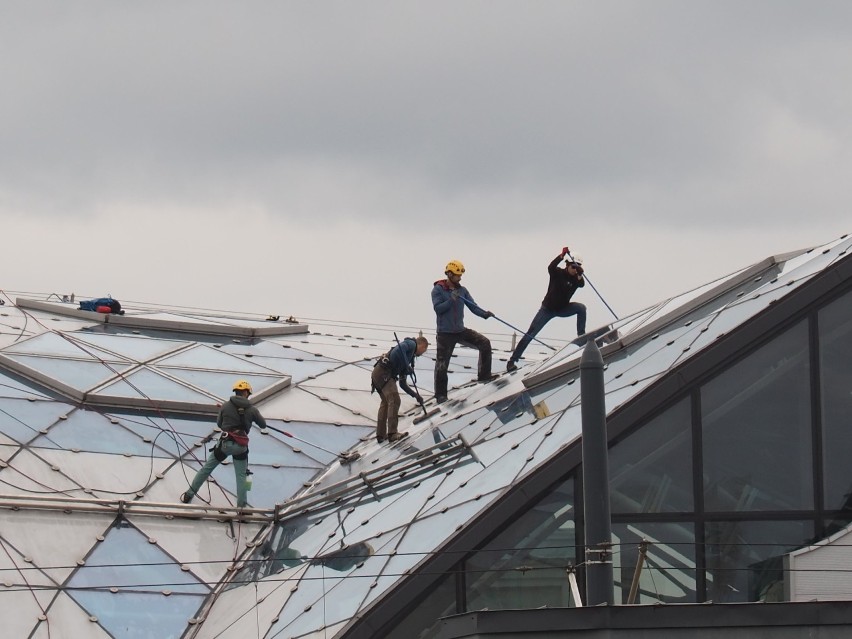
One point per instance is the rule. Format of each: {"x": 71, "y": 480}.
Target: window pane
{"x": 668, "y": 571}
{"x": 745, "y": 558}
{"x": 835, "y": 342}
{"x": 756, "y": 424}
{"x": 424, "y": 621}
{"x": 651, "y": 470}
{"x": 524, "y": 566}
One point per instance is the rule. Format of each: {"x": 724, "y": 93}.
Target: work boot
{"x": 487, "y": 378}
{"x": 511, "y": 366}
{"x": 380, "y": 439}
{"x": 440, "y": 399}
{"x": 395, "y": 437}
{"x": 185, "y": 497}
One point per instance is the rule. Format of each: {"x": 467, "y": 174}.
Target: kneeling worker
{"x": 395, "y": 365}
{"x": 235, "y": 420}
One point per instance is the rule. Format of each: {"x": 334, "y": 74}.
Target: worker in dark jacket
{"x": 397, "y": 364}
{"x": 449, "y": 298}
{"x": 235, "y": 419}
{"x": 556, "y": 303}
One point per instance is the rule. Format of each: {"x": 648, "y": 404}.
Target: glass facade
{"x": 728, "y": 447}
{"x": 712, "y": 528}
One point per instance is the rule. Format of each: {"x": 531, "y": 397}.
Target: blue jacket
{"x": 401, "y": 363}
{"x": 449, "y": 310}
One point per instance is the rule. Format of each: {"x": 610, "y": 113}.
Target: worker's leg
{"x": 379, "y": 379}
{"x": 201, "y": 476}
{"x": 473, "y": 339}
{"x": 542, "y": 317}
{"x": 445, "y": 343}
{"x": 239, "y": 455}
{"x": 391, "y": 392}
{"x": 575, "y": 308}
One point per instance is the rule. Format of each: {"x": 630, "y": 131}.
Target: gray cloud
{"x": 467, "y": 112}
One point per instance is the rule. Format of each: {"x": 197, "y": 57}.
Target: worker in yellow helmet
{"x": 235, "y": 419}
{"x": 449, "y": 298}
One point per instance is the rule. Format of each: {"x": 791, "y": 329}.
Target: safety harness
{"x": 239, "y": 437}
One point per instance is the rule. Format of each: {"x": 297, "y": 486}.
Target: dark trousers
{"x": 543, "y": 316}
{"x": 446, "y": 344}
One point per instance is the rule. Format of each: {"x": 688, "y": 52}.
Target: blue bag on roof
{"x": 102, "y": 305}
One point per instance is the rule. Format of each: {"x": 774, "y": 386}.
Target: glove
{"x": 417, "y": 398}
{"x": 488, "y": 314}
{"x": 455, "y": 294}
{"x": 565, "y": 251}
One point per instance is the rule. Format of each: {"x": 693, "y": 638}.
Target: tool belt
{"x": 238, "y": 438}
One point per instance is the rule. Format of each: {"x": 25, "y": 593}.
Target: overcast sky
{"x": 326, "y": 159}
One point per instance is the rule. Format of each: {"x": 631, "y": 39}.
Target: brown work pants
{"x": 388, "y": 417}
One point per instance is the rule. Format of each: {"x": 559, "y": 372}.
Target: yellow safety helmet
{"x": 242, "y": 385}
{"x": 455, "y": 267}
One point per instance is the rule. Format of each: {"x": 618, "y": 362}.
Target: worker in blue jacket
{"x": 449, "y": 298}
{"x": 395, "y": 366}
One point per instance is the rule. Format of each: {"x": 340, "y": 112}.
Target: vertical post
{"x": 599, "y": 584}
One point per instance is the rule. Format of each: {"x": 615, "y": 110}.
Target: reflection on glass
{"x": 756, "y": 422}
{"x": 745, "y": 558}
{"x": 423, "y": 622}
{"x": 651, "y": 470}
{"x": 140, "y": 615}
{"x": 668, "y": 571}
{"x": 835, "y": 355}
{"x": 524, "y": 566}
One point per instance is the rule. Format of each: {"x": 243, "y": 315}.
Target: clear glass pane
{"x": 135, "y": 347}
{"x": 423, "y": 621}
{"x": 203, "y": 356}
{"x": 745, "y": 558}
{"x": 220, "y": 384}
{"x": 668, "y": 571}
{"x": 90, "y": 431}
{"x": 73, "y": 373}
{"x": 146, "y": 383}
{"x": 56, "y": 344}
{"x": 140, "y": 615}
{"x": 22, "y": 420}
{"x": 756, "y": 422}
{"x": 125, "y": 559}
{"x": 651, "y": 470}
{"x": 542, "y": 542}
{"x": 835, "y": 343}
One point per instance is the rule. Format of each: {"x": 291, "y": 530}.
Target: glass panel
{"x": 423, "y": 622}
{"x": 272, "y": 486}
{"x": 211, "y": 358}
{"x": 835, "y": 343}
{"x": 219, "y": 384}
{"x": 172, "y": 435}
{"x": 651, "y": 470}
{"x": 756, "y": 423}
{"x": 542, "y": 542}
{"x": 57, "y": 344}
{"x": 137, "y": 348}
{"x": 745, "y": 558}
{"x": 17, "y": 389}
{"x": 126, "y": 560}
{"x": 312, "y": 438}
{"x": 668, "y": 572}
{"x": 138, "y": 615}
{"x": 91, "y": 431}
{"x": 22, "y": 419}
{"x": 147, "y": 383}
{"x": 73, "y": 373}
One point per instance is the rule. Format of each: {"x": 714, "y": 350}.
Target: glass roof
{"x": 101, "y": 429}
